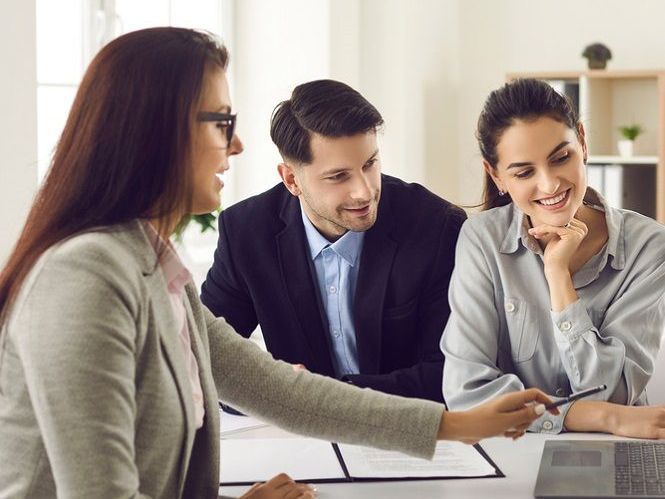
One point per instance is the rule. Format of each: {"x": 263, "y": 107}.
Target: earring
{"x": 501, "y": 193}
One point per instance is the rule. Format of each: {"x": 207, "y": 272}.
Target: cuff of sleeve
{"x": 572, "y": 322}
{"x": 549, "y": 423}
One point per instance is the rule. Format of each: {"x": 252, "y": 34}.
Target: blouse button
{"x": 510, "y": 307}
{"x": 560, "y": 392}
{"x": 566, "y": 325}
{"x": 548, "y": 425}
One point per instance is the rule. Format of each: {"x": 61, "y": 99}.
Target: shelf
{"x": 620, "y": 160}
{"x": 593, "y": 73}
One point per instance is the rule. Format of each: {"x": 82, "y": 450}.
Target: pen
{"x": 575, "y": 396}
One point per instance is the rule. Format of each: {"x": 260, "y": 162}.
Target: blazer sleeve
{"x": 223, "y": 291}
{"x": 76, "y": 344}
{"x": 313, "y": 405}
{"x": 423, "y": 379}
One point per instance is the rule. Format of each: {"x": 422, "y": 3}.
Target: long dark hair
{"x": 125, "y": 150}
{"x": 523, "y": 99}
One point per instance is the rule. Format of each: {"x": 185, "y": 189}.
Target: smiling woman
{"x": 552, "y": 287}
{"x": 214, "y": 141}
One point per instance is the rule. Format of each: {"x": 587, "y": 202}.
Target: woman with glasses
{"x": 110, "y": 367}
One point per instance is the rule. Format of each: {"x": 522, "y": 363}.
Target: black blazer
{"x": 263, "y": 274}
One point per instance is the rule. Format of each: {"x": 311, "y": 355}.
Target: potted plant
{"x": 597, "y": 55}
{"x": 629, "y": 134}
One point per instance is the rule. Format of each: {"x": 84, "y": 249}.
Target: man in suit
{"x": 345, "y": 269}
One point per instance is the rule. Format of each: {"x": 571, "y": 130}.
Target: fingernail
{"x": 539, "y": 409}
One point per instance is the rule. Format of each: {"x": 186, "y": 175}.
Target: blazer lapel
{"x": 164, "y": 322}
{"x": 299, "y": 278}
{"x": 375, "y": 263}
{"x": 209, "y": 467}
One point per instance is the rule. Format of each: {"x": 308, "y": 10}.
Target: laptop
{"x": 601, "y": 469}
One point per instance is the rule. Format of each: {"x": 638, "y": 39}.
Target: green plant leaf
{"x": 630, "y": 132}
{"x": 206, "y": 222}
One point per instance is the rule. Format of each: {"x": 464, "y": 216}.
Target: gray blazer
{"x": 94, "y": 395}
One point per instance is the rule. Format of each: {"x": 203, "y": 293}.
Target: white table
{"x": 518, "y": 460}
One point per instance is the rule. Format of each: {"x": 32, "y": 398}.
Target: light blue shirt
{"x": 502, "y": 335}
{"x": 337, "y": 267}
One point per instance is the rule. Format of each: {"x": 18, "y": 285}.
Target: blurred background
{"x": 427, "y": 65}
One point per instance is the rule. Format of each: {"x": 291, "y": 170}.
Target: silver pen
{"x": 575, "y": 396}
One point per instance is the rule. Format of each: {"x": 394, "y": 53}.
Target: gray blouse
{"x": 502, "y": 335}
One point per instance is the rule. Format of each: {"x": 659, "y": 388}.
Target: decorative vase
{"x": 625, "y": 148}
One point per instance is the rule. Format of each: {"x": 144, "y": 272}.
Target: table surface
{"x": 518, "y": 460}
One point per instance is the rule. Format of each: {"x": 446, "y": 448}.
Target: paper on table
{"x": 300, "y": 458}
{"x": 451, "y": 459}
{"x": 230, "y": 424}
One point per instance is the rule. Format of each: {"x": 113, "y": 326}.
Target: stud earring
{"x": 501, "y": 193}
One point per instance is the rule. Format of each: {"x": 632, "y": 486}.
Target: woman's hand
{"x": 508, "y": 415}
{"x": 562, "y": 246}
{"x": 280, "y": 487}
{"x": 622, "y": 420}
{"x": 637, "y": 421}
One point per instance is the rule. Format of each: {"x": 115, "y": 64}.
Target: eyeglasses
{"x": 224, "y": 121}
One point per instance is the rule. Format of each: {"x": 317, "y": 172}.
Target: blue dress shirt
{"x": 336, "y": 266}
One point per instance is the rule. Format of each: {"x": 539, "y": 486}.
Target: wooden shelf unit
{"x": 609, "y": 99}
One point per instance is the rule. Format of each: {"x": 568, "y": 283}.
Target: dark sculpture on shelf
{"x": 597, "y": 55}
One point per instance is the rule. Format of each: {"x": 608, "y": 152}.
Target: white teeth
{"x": 554, "y": 200}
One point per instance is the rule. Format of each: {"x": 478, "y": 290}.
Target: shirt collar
{"x": 519, "y": 226}
{"x": 175, "y": 273}
{"x": 348, "y": 246}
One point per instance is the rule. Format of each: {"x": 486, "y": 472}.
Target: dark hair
{"x": 326, "y": 107}
{"x": 125, "y": 150}
{"x": 522, "y": 99}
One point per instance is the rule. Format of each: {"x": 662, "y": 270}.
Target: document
{"x": 251, "y": 460}
{"x": 247, "y": 461}
{"x": 450, "y": 458}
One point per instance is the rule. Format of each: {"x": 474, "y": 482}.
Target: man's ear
{"x": 491, "y": 171}
{"x": 288, "y": 175}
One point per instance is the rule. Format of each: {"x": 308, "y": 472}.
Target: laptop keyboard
{"x": 639, "y": 468}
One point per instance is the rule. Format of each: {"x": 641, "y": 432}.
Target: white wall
{"x": 18, "y": 119}
{"x": 410, "y": 72}
{"x": 277, "y": 45}
{"x": 526, "y": 35}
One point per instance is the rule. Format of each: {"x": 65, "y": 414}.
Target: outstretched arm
{"x": 314, "y": 405}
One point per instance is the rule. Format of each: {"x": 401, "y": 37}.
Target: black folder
{"x": 252, "y": 452}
